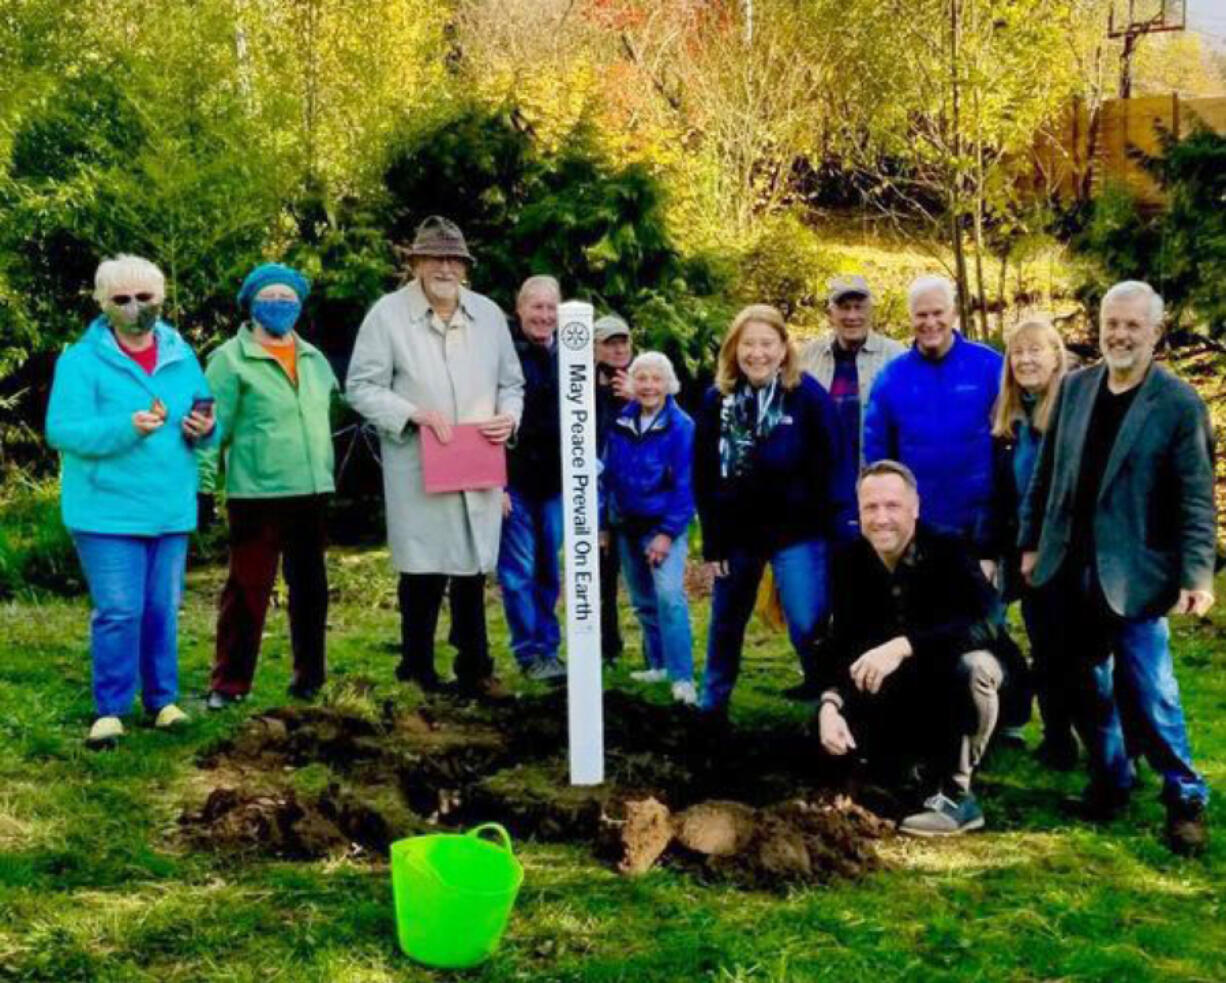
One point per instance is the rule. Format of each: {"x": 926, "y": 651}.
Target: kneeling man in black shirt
{"x": 911, "y": 673}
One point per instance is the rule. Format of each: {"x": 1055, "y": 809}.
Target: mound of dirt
{"x": 749, "y": 806}
{"x": 791, "y": 842}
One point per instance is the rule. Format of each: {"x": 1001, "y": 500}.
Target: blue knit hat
{"x": 270, "y": 273}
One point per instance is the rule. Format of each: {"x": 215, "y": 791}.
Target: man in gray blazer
{"x": 1119, "y": 527}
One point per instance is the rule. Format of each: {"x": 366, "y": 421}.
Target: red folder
{"x": 466, "y": 463}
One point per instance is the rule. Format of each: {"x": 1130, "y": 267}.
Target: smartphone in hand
{"x": 203, "y": 405}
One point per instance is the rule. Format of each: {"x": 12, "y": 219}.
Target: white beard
{"x": 1119, "y": 362}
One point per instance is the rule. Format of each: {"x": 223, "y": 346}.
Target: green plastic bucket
{"x": 453, "y": 895}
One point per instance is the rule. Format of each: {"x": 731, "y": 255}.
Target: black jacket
{"x": 609, "y": 405}
{"x": 936, "y": 597}
{"x": 799, "y": 487}
{"x": 534, "y": 464}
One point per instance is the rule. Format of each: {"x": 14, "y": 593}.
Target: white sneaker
{"x": 170, "y": 717}
{"x": 649, "y": 676}
{"x": 105, "y": 732}
{"x": 684, "y": 692}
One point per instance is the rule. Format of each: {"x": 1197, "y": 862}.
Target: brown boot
{"x": 1187, "y": 828}
{"x": 487, "y": 689}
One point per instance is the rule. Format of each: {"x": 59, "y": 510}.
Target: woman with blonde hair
{"x": 772, "y": 487}
{"x": 1035, "y": 364}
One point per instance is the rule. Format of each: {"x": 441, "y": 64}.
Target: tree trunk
{"x": 1000, "y": 293}
{"x": 955, "y": 188}
{"x": 981, "y": 295}
{"x": 980, "y": 187}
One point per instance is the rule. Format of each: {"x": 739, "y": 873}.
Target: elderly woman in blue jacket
{"x": 649, "y": 501}
{"x": 128, "y": 406}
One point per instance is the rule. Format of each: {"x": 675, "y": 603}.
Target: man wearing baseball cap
{"x": 848, "y": 357}
{"x": 431, "y": 355}
{"x": 614, "y": 351}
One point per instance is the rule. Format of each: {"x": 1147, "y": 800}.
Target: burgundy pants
{"x": 263, "y": 531}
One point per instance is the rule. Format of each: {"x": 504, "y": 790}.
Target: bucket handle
{"x": 503, "y": 836}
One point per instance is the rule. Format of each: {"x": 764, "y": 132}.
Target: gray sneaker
{"x": 942, "y": 816}
{"x": 219, "y": 701}
{"x": 546, "y": 671}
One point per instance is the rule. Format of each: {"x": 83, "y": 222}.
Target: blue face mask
{"x": 276, "y": 316}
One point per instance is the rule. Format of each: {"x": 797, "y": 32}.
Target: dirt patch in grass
{"x": 750, "y": 806}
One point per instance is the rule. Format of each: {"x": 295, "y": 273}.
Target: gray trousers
{"x": 981, "y": 673}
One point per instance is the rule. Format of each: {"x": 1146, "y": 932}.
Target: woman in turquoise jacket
{"x": 129, "y": 404}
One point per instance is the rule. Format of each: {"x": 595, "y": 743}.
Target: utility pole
{"x": 1171, "y": 15}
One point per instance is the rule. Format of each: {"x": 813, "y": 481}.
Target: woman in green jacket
{"x": 274, "y": 392}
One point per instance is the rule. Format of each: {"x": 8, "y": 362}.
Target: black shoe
{"x": 427, "y": 682}
{"x": 806, "y": 692}
{"x": 1057, "y": 755}
{"x": 1187, "y": 828}
{"x": 1099, "y": 804}
{"x": 303, "y": 692}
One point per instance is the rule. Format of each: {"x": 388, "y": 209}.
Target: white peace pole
{"x": 580, "y": 515}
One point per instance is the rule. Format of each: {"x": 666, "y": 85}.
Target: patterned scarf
{"x": 746, "y": 417}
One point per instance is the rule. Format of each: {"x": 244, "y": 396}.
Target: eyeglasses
{"x": 121, "y": 299}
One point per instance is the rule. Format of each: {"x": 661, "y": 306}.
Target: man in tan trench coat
{"x": 434, "y": 354}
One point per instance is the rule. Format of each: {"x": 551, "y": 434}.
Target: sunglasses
{"x": 121, "y": 299}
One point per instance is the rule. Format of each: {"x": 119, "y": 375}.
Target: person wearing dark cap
{"x": 434, "y": 354}
{"x": 274, "y": 394}
{"x": 614, "y": 350}
{"x": 848, "y": 357}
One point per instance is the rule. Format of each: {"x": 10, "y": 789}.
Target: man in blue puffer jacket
{"x": 931, "y": 409}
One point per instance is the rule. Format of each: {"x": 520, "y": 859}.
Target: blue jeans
{"x": 658, "y": 597}
{"x": 1136, "y": 691}
{"x": 803, "y": 579}
{"x": 529, "y": 573}
{"x": 135, "y": 583}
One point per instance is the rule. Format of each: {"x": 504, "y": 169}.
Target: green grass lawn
{"x": 94, "y": 884}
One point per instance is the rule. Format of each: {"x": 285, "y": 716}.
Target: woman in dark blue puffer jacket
{"x": 772, "y": 487}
